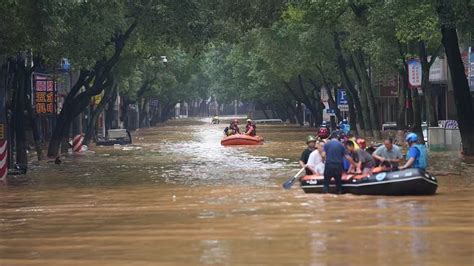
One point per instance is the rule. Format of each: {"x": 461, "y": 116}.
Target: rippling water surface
{"x": 177, "y": 197}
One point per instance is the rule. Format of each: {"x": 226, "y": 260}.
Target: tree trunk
{"x": 462, "y": 95}
{"x": 416, "y": 105}
{"x": 357, "y": 104}
{"x": 94, "y": 83}
{"x": 36, "y": 133}
{"x": 95, "y": 113}
{"x": 331, "y": 102}
{"x": 299, "y": 113}
{"x": 431, "y": 117}
{"x": 367, "y": 86}
{"x": 291, "y": 111}
{"x": 364, "y": 103}
{"x": 18, "y": 115}
{"x": 402, "y": 93}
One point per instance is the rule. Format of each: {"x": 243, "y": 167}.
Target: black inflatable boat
{"x": 404, "y": 182}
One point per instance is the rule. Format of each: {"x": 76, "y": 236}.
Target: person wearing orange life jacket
{"x": 233, "y": 128}
{"x": 250, "y": 128}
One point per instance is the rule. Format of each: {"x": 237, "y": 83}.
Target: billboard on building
{"x": 439, "y": 71}
{"x": 387, "y": 85}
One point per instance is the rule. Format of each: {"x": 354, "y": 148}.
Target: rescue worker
{"x": 417, "y": 156}
{"x": 233, "y": 128}
{"x": 345, "y": 127}
{"x": 311, "y": 142}
{"x": 250, "y": 128}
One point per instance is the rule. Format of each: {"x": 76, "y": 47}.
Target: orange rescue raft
{"x": 241, "y": 140}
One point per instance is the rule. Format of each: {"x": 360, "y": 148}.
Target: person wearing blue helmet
{"x": 417, "y": 156}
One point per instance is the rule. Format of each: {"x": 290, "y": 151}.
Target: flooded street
{"x": 178, "y": 197}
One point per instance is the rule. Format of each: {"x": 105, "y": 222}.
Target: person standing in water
{"x": 335, "y": 153}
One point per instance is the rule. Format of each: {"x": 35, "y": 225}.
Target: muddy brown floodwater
{"x": 177, "y": 197}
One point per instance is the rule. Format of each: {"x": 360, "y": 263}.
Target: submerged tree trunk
{"x": 18, "y": 113}
{"x": 462, "y": 95}
{"x": 36, "y": 133}
{"x": 94, "y": 82}
{"x": 91, "y": 125}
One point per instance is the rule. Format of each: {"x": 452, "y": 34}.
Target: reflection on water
{"x": 178, "y": 197}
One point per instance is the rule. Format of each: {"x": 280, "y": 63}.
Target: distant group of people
{"x": 336, "y": 155}
{"x": 233, "y": 128}
{"x": 342, "y": 130}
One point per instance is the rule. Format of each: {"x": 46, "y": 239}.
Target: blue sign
{"x": 342, "y": 97}
{"x": 65, "y": 65}
{"x": 330, "y": 111}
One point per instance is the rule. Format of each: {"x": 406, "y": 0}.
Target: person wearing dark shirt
{"x": 311, "y": 142}
{"x": 335, "y": 152}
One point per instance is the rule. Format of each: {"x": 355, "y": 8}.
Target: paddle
{"x": 290, "y": 181}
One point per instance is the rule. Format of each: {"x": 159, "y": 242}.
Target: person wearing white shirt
{"x": 315, "y": 161}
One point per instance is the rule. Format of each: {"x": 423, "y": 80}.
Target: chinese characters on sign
{"x": 44, "y": 88}
{"x": 414, "y": 73}
{"x": 2, "y": 132}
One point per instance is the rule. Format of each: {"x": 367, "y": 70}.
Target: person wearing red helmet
{"x": 250, "y": 128}
{"x": 361, "y": 143}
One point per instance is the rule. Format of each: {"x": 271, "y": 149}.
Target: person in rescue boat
{"x": 311, "y": 142}
{"x": 388, "y": 152}
{"x": 417, "y": 156}
{"x": 315, "y": 161}
{"x": 323, "y": 131}
{"x": 233, "y": 128}
{"x": 364, "y": 163}
{"x": 250, "y": 128}
{"x": 336, "y": 133}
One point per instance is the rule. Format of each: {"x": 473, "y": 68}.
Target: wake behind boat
{"x": 405, "y": 182}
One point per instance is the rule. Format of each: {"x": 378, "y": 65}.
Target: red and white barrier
{"x": 3, "y": 159}
{"x": 77, "y": 143}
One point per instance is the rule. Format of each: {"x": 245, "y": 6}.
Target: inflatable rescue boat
{"x": 411, "y": 181}
{"x": 241, "y": 140}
